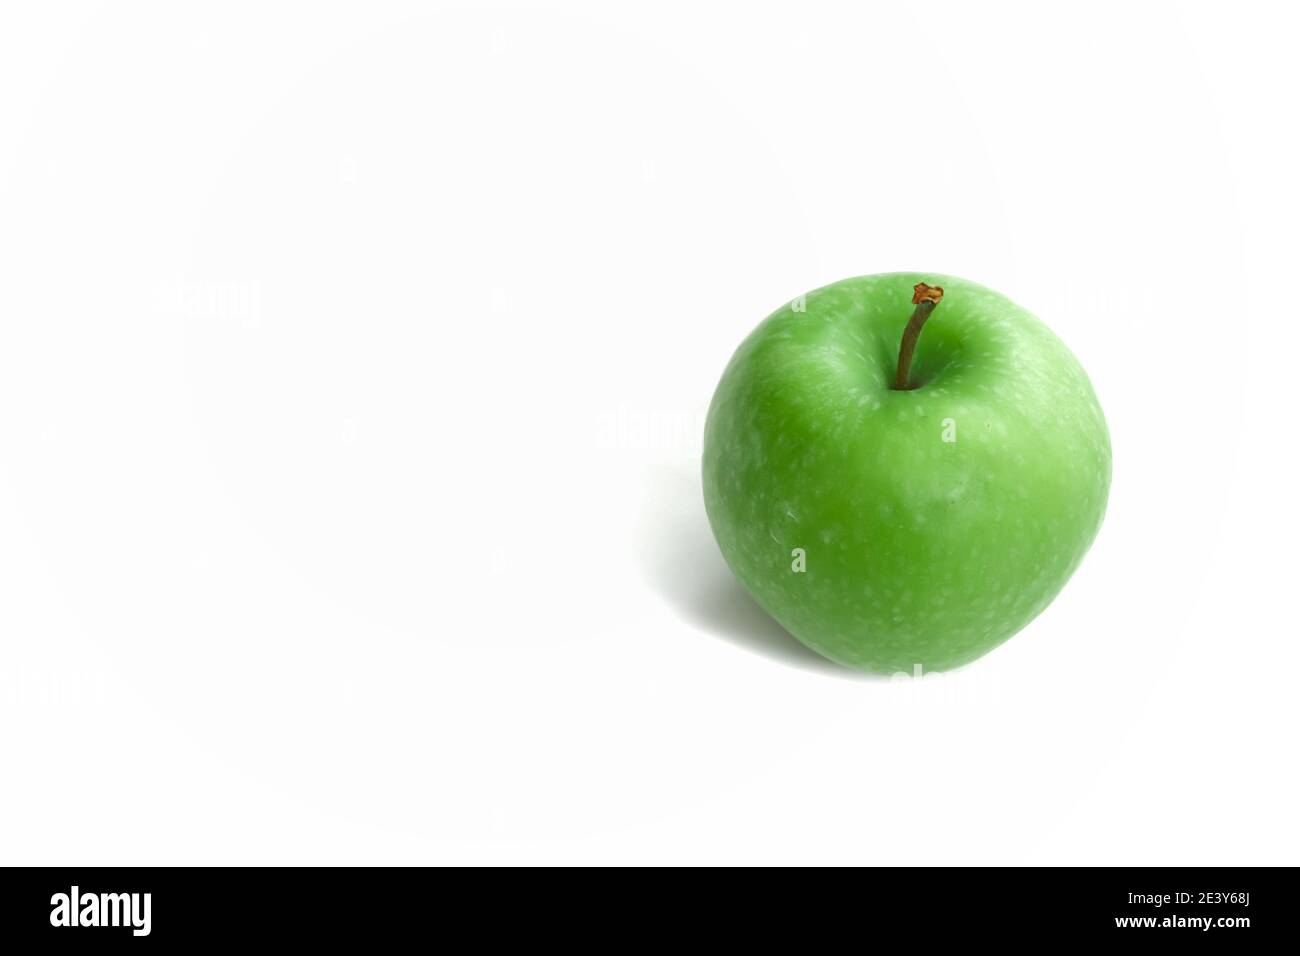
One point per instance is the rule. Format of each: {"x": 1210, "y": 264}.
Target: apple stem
{"x": 925, "y": 298}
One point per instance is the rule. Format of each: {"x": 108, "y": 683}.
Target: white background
{"x": 353, "y": 363}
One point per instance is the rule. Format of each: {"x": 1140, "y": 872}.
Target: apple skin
{"x": 916, "y": 550}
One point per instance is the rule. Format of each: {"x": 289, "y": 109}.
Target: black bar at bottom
{"x": 373, "y": 906}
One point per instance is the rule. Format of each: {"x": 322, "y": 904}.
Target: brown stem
{"x": 925, "y": 298}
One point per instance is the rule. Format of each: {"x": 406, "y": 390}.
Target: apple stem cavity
{"x": 925, "y": 298}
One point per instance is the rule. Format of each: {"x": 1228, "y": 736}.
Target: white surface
{"x": 353, "y": 362}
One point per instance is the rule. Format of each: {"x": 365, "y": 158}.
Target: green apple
{"x": 895, "y": 511}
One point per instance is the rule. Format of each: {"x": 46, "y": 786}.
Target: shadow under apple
{"x": 683, "y": 564}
